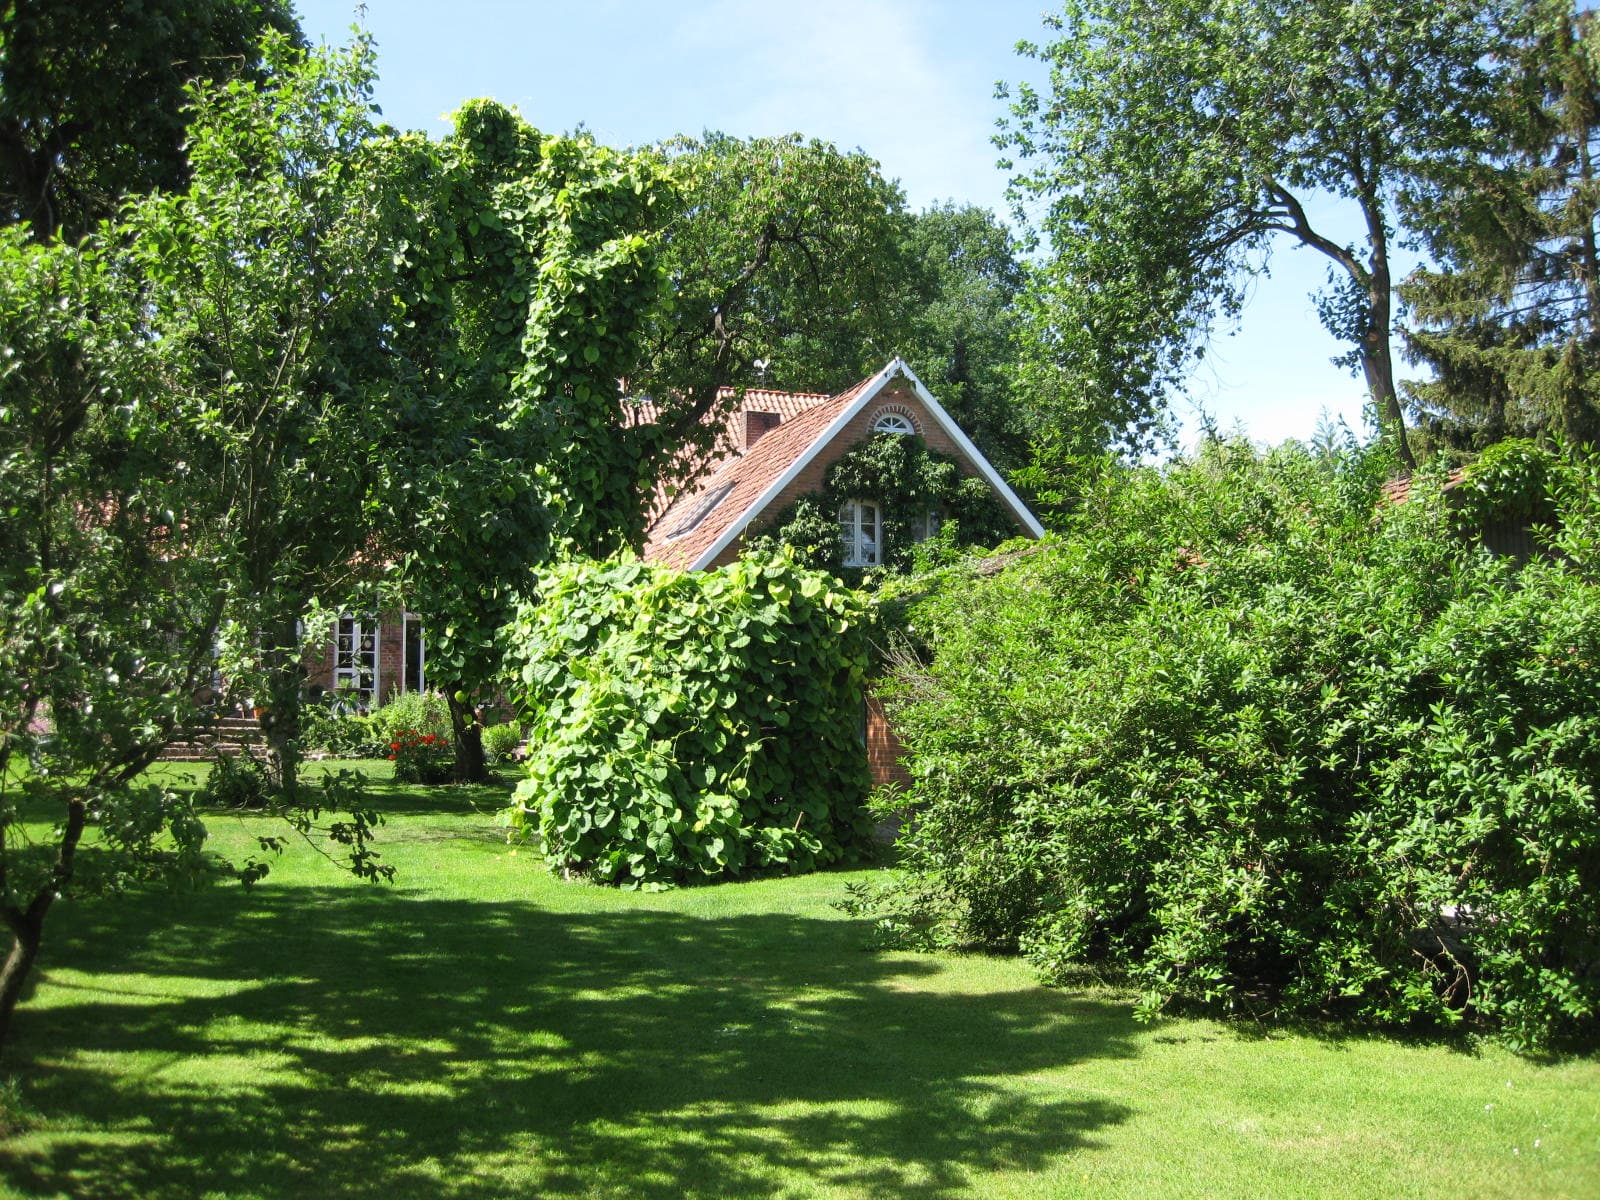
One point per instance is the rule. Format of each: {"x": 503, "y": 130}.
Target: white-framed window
{"x": 414, "y": 660}
{"x": 858, "y": 533}
{"x": 893, "y": 422}
{"x": 932, "y": 522}
{"x": 355, "y": 660}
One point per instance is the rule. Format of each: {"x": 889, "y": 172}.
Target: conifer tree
{"x": 1510, "y": 322}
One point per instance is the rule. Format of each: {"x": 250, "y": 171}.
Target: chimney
{"x": 758, "y": 423}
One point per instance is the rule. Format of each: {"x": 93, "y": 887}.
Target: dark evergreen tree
{"x": 1508, "y": 323}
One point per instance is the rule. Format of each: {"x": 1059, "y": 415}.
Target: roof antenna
{"x": 761, "y": 365}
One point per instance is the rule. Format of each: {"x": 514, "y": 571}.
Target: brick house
{"x": 776, "y": 447}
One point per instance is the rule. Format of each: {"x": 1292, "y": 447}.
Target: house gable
{"x": 791, "y": 459}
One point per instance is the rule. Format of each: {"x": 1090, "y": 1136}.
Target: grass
{"x": 481, "y": 1029}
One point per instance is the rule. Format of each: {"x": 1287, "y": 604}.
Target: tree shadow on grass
{"x": 358, "y": 1043}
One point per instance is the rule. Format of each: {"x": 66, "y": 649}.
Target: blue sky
{"x": 911, "y": 82}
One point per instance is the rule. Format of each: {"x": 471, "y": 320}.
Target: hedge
{"x": 1257, "y": 740}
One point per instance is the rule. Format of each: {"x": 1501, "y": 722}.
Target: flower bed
{"x": 421, "y": 757}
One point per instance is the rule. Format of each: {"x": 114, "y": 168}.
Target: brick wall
{"x": 885, "y": 754}
{"x": 897, "y": 396}
{"x": 391, "y": 656}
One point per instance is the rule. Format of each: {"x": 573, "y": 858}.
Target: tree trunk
{"x": 1378, "y": 365}
{"x": 25, "y": 937}
{"x": 280, "y": 723}
{"x": 27, "y": 925}
{"x": 468, "y": 739}
{"x": 1377, "y": 361}
{"x": 1377, "y": 358}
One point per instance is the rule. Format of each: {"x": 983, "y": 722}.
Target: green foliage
{"x": 92, "y": 98}
{"x": 501, "y": 742}
{"x": 105, "y": 633}
{"x": 280, "y": 366}
{"x": 1265, "y": 746}
{"x": 1169, "y": 154}
{"x": 1507, "y": 322}
{"x": 691, "y": 726}
{"x": 341, "y": 734}
{"x": 1513, "y": 480}
{"x": 16, "y": 1115}
{"x": 182, "y": 415}
{"x": 779, "y": 250}
{"x": 961, "y": 331}
{"x": 908, "y": 482}
{"x": 531, "y": 268}
{"x": 421, "y": 757}
{"x": 425, "y": 712}
{"x": 235, "y": 781}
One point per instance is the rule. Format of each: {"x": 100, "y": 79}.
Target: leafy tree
{"x": 1510, "y": 324}
{"x": 106, "y": 632}
{"x": 1179, "y": 142}
{"x": 961, "y": 330}
{"x": 528, "y": 273}
{"x": 779, "y": 251}
{"x": 92, "y": 97}
{"x": 272, "y": 280}
{"x": 113, "y": 579}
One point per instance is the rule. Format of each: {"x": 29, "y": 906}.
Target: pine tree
{"x": 1510, "y": 323}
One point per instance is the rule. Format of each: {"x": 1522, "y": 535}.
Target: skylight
{"x": 698, "y": 511}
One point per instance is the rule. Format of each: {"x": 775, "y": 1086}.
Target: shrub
{"x": 685, "y": 726}
{"x": 422, "y": 712}
{"x": 421, "y": 757}
{"x": 342, "y": 734}
{"x": 236, "y": 782}
{"x": 500, "y": 742}
{"x": 1267, "y": 745}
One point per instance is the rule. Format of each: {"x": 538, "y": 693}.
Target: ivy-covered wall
{"x": 695, "y": 725}
{"x": 906, "y": 480}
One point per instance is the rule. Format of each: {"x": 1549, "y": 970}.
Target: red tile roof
{"x": 746, "y": 476}
{"x": 696, "y": 465}
{"x": 1398, "y": 491}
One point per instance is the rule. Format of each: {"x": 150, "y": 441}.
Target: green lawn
{"x": 480, "y": 1029}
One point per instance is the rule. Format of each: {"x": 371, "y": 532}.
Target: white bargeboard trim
{"x": 874, "y": 386}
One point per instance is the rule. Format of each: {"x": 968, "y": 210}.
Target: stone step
{"x": 229, "y": 733}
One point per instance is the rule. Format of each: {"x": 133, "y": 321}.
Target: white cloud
{"x": 861, "y": 73}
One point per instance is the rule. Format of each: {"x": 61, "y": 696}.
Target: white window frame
{"x": 893, "y": 422}
{"x": 359, "y": 628}
{"x": 856, "y": 518}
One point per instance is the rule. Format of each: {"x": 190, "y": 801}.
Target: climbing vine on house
{"x": 908, "y": 482}
{"x": 686, "y": 726}
{"x": 1513, "y": 480}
